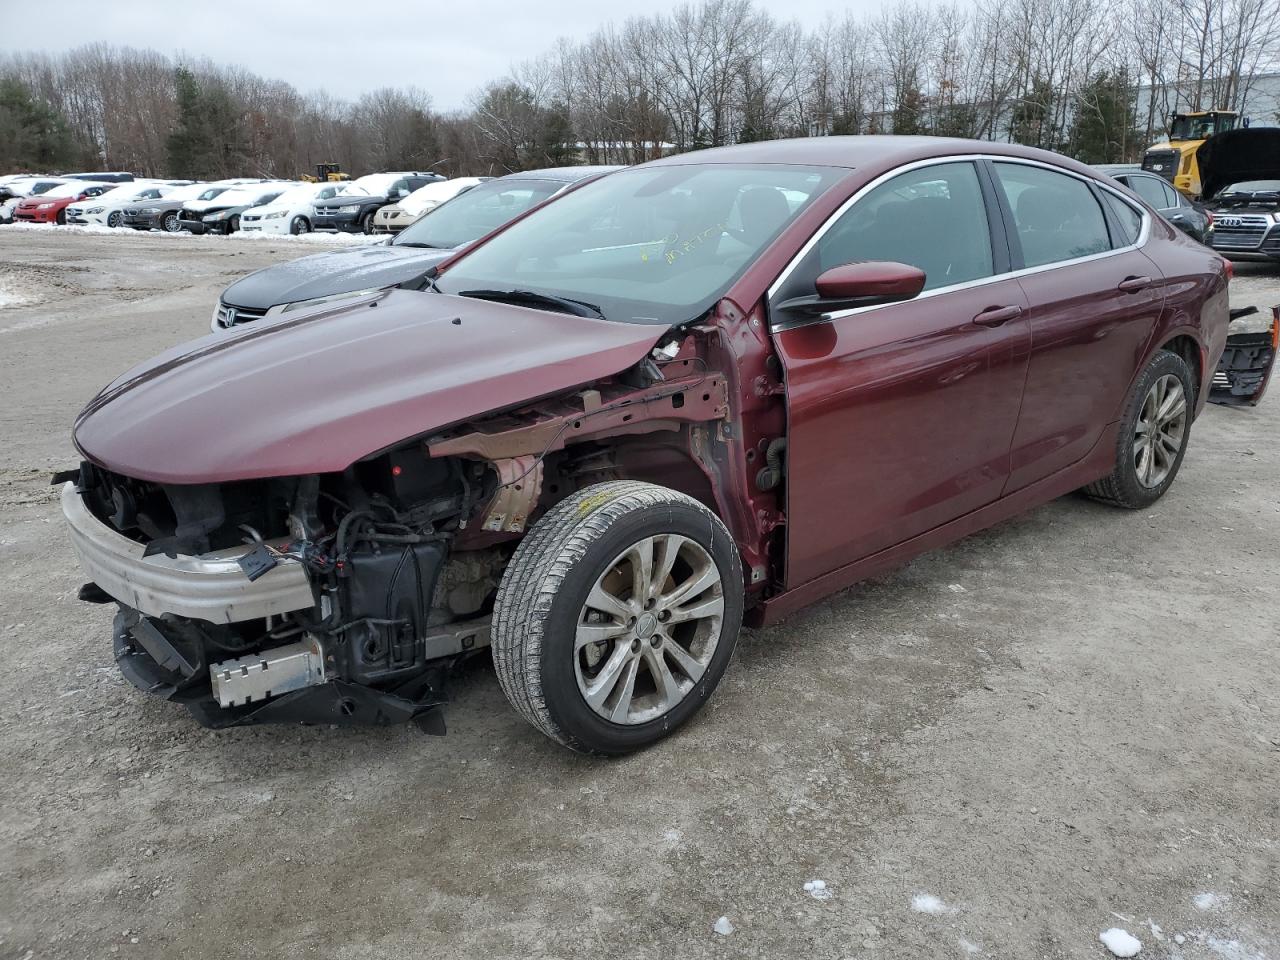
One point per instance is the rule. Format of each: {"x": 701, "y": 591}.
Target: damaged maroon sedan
{"x": 712, "y": 387}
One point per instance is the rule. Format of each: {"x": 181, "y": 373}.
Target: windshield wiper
{"x": 579, "y": 308}
{"x": 420, "y": 246}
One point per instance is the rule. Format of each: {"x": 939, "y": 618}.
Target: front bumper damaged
{"x": 1247, "y": 361}
{"x": 186, "y": 626}
{"x": 211, "y": 587}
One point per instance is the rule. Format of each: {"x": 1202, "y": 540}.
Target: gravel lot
{"x": 1065, "y": 724}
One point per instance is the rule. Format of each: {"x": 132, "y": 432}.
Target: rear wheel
{"x": 1153, "y": 435}
{"x": 617, "y": 616}
{"x": 299, "y": 225}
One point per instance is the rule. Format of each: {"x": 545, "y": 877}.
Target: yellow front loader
{"x": 1175, "y": 158}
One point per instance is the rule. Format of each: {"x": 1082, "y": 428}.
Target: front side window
{"x": 933, "y": 218}
{"x": 646, "y": 245}
{"x": 1056, "y": 215}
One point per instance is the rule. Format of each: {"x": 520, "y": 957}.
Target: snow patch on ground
{"x": 97, "y": 229}
{"x": 672, "y": 836}
{"x": 928, "y": 903}
{"x": 1233, "y": 950}
{"x": 1208, "y": 901}
{"x": 968, "y": 946}
{"x": 10, "y": 297}
{"x": 818, "y": 889}
{"x": 723, "y": 927}
{"x": 1120, "y": 942}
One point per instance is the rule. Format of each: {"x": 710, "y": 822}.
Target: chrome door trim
{"x": 1144, "y": 233}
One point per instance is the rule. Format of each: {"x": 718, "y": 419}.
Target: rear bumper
{"x": 211, "y": 587}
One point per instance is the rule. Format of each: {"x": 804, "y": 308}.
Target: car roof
{"x": 565, "y": 174}
{"x": 869, "y": 152}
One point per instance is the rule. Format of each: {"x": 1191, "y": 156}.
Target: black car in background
{"x": 1190, "y": 218}
{"x": 405, "y": 257}
{"x": 222, "y": 214}
{"x": 352, "y": 210}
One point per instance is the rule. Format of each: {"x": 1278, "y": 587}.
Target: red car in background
{"x": 51, "y": 206}
{"x": 714, "y": 387}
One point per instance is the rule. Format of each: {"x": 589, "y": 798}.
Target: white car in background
{"x": 396, "y": 217}
{"x": 108, "y": 209}
{"x": 291, "y": 212}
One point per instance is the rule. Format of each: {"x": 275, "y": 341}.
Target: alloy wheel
{"x": 1160, "y": 431}
{"x": 649, "y": 629}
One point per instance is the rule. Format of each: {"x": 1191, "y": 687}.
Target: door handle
{"x": 1177, "y": 216}
{"x": 1133, "y": 284}
{"x": 994, "y": 316}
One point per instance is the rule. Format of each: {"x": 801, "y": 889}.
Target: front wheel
{"x": 113, "y": 219}
{"x": 366, "y": 224}
{"x": 169, "y": 223}
{"x": 1153, "y": 435}
{"x": 299, "y": 225}
{"x": 617, "y": 616}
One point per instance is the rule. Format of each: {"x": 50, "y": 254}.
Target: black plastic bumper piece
{"x": 1245, "y": 369}
{"x": 336, "y": 702}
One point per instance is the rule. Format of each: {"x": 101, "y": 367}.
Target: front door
{"x": 901, "y": 416}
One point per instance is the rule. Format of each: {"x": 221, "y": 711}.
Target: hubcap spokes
{"x": 1161, "y": 428}
{"x": 649, "y": 628}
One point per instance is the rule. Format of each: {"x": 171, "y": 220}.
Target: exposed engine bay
{"x": 400, "y": 555}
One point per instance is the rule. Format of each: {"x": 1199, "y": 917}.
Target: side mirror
{"x": 865, "y": 283}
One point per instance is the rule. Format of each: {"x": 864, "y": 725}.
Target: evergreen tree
{"x": 33, "y": 135}
{"x": 1104, "y": 128}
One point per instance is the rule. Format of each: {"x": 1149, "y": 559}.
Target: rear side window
{"x": 1129, "y": 219}
{"x": 933, "y": 218}
{"x": 1056, "y": 215}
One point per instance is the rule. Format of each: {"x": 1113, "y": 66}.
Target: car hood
{"x": 365, "y": 267}
{"x": 40, "y": 198}
{"x": 315, "y": 393}
{"x": 1252, "y": 153}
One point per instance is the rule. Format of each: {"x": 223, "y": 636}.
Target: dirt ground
{"x": 1065, "y": 724}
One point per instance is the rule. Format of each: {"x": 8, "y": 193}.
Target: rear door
{"x": 900, "y": 417}
{"x": 1094, "y": 301}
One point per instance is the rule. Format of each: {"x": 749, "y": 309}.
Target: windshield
{"x": 129, "y": 191}
{"x": 648, "y": 245}
{"x": 375, "y": 184}
{"x": 1252, "y": 186}
{"x": 72, "y": 189}
{"x": 208, "y": 193}
{"x": 243, "y": 197}
{"x": 303, "y": 194}
{"x": 44, "y": 186}
{"x": 1200, "y": 128}
{"x": 479, "y": 211}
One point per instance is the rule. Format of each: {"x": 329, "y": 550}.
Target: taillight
{"x": 1229, "y": 267}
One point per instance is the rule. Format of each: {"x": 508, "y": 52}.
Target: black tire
{"x": 1122, "y": 487}
{"x": 544, "y": 591}
{"x": 61, "y": 218}
{"x": 169, "y": 222}
{"x": 113, "y": 219}
{"x": 299, "y": 225}
{"x": 366, "y": 223}
{"x": 232, "y": 226}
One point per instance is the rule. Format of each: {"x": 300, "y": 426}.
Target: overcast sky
{"x": 446, "y": 47}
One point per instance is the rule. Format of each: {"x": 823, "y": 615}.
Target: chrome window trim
{"x": 1144, "y": 233}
